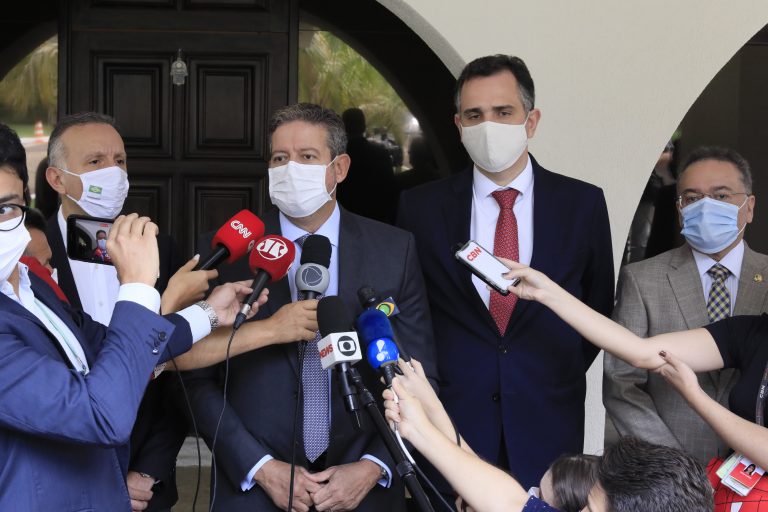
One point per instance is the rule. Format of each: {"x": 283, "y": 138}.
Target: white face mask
{"x": 12, "y": 245}
{"x": 494, "y": 147}
{"x": 298, "y": 190}
{"x": 104, "y": 191}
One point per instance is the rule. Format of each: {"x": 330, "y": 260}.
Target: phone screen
{"x": 87, "y": 239}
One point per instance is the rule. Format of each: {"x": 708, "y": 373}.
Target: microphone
{"x": 376, "y": 332}
{"x": 270, "y": 260}
{"x": 369, "y": 299}
{"x": 339, "y": 346}
{"x": 233, "y": 240}
{"x": 312, "y": 277}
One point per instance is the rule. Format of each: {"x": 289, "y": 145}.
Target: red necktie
{"x": 504, "y": 245}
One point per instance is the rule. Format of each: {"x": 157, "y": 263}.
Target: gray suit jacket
{"x": 659, "y": 295}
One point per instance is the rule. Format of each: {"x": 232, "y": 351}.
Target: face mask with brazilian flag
{"x": 104, "y": 191}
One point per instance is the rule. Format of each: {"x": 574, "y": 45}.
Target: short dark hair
{"x": 723, "y": 155}
{"x": 638, "y": 476}
{"x": 101, "y": 231}
{"x": 13, "y": 156}
{"x": 313, "y": 114}
{"x": 56, "y": 151}
{"x": 494, "y": 64}
{"x": 354, "y": 121}
{"x": 34, "y": 219}
{"x": 573, "y": 477}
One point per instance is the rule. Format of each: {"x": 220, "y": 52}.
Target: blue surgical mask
{"x": 709, "y": 226}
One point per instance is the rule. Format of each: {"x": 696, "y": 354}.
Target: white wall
{"x": 613, "y": 80}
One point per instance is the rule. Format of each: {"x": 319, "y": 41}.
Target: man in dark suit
{"x": 350, "y": 468}
{"x": 87, "y": 167}
{"x": 512, "y": 374}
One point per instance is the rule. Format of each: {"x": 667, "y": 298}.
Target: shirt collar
{"x": 731, "y": 261}
{"x": 25, "y": 284}
{"x": 483, "y": 186}
{"x": 329, "y": 229}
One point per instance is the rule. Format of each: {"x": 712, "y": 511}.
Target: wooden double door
{"x": 197, "y": 152}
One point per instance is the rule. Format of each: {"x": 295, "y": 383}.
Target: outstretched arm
{"x": 481, "y": 485}
{"x": 696, "y": 347}
{"x": 741, "y": 435}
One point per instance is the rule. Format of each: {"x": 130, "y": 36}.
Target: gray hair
{"x": 57, "y": 153}
{"x": 721, "y": 155}
{"x": 313, "y": 114}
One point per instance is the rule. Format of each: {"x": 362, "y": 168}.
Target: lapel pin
{"x": 758, "y": 278}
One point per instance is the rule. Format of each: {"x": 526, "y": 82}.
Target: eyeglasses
{"x": 689, "y": 198}
{"x": 10, "y": 212}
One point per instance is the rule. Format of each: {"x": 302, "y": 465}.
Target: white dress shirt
{"x": 732, "y": 261}
{"x": 330, "y": 230}
{"x": 485, "y": 213}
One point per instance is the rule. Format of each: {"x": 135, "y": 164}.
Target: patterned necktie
{"x": 315, "y": 392}
{"x": 719, "y": 303}
{"x": 504, "y": 245}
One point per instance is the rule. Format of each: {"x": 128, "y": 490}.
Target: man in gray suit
{"x": 713, "y": 275}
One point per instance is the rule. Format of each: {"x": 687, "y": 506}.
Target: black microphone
{"x": 369, "y": 299}
{"x": 270, "y": 261}
{"x": 339, "y": 347}
{"x": 312, "y": 277}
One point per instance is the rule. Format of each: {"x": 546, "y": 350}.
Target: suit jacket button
{"x": 502, "y": 349}
{"x": 162, "y": 336}
{"x": 495, "y": 397}
{"x": 155, "y": 351}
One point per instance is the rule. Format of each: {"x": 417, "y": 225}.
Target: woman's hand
{"x": 406, "y": 411}
{"x": 186, "y": 287}
{"x": 680, "y": 376}
{"x": 227, "y": 299}
{"x": 415, "y": 382}
{"x": 533, "y": 284}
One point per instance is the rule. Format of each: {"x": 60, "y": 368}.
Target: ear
{"x": 53, "y": 177}
{"x": 457, "y": 122}
{"x": 750, "y": 208}
{"x": 533, "y": 122}
{"x": 340, "y": 167}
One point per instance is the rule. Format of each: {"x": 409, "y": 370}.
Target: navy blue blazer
{"x": 262, "y": 389}
{"x": 63, "y": 436}
{"x": 528, "y": 386}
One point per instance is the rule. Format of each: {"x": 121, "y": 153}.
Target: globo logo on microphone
{"x": 272, "y": 248}
{"x": 347, "y": 345}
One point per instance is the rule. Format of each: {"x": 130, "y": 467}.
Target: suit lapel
{"x": 685, "y": 281}
{"x": 457, "y": 212}
{"x": 753, "y": 287}
{"x": 60, "y": 262}
{"x": 352, "y": 260}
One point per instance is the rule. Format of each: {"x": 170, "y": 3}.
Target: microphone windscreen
{"x": 367, "y": 296}
{"x": 239, "y": 234}
{"x": 274, "y": 255}
{"x": 332, "y": 316}
{"x": 316, "y": 249}
{"x": 373, "y": 324}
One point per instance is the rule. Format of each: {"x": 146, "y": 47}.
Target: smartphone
{"x": 486, "y": 266}
{"x": 87, "y": 239}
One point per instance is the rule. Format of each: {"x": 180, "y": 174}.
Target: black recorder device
{"x": 486, "y": 266}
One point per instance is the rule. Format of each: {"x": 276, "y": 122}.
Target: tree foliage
{"x": 334, "y": 75}
{"x": 29, "y": 90}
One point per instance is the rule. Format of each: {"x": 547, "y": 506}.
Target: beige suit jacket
{"x": 659, "y": 295}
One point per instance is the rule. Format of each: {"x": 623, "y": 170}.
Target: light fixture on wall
{"x": 179, "y": 71}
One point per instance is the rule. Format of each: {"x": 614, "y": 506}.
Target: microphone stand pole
{"x": 404, "y": 467}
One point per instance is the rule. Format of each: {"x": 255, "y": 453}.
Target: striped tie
{"x": 719, "y": 303}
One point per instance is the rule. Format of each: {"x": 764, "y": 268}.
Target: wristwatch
{"x": 212, "y": 316}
